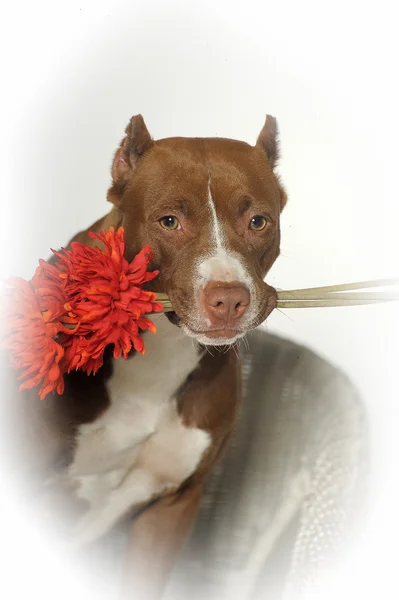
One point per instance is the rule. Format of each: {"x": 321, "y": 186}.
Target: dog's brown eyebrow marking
{"x": 179, "y": 205}
{"x": 182, "y": 206}
{"x": 245, "y": 205}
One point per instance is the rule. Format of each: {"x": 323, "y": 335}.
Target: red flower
{"x": 66, "y": 316}
{"x": 30, "y": 337}
{"x": 105, "y": 297}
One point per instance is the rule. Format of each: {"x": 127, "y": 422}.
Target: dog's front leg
{"x": 155, "y": 540}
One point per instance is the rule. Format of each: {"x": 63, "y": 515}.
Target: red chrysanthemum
{"x": 65, "y": 317}
{"x": 30, "y": 336}
{"x": 105, "y": 297}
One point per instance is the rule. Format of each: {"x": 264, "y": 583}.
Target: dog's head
{"x": 210, "y": 209}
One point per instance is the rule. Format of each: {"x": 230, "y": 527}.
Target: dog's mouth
{"x": 217, "y": 332}
{"x": 214, "y": 336}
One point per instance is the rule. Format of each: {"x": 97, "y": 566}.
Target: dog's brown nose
{"x": 225, "y": 303}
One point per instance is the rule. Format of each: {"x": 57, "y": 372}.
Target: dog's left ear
{"x": 136, "y": 142}
{"x": 268, "y": 140}
{"x": 269, "y": 143}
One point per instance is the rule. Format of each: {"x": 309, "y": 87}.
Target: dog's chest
{"x": 140, "y": 447}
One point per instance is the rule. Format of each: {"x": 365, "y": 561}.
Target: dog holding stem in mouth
{"x": 135, "y": 442}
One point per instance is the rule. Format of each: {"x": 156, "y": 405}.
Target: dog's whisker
{"x": 194, "y": 344}
{"x": 258, "y": 322}
{"x": 209, "y": 351}
{"x": 283, "y": 313}
{"x": 157, "y": 316}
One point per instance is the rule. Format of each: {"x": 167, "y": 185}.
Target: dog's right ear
{"x": 136, "y": 141}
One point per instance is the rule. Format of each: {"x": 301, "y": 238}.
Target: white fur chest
{"x": 139, "y": 447}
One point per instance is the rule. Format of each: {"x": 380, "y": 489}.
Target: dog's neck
{"x": 170, "y": 356}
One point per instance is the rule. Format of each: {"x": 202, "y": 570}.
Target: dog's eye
{"x": 257, "y": 223}
{"x": 170, "y": 222}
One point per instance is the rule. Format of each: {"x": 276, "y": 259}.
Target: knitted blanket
{"x": 279, "y": 506}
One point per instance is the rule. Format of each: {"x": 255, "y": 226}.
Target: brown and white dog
{"x": 138, "y": 439}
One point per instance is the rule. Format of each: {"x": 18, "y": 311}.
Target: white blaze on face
{"x": 216, "y": 226}
{"x": 221, "y": 264}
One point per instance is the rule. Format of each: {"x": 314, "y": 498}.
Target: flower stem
{"x": 326, "y": 296}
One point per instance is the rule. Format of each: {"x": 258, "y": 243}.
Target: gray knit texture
{"x": 289, "y": 485}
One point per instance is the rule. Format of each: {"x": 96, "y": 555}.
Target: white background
{"x": 73, "y": 73}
